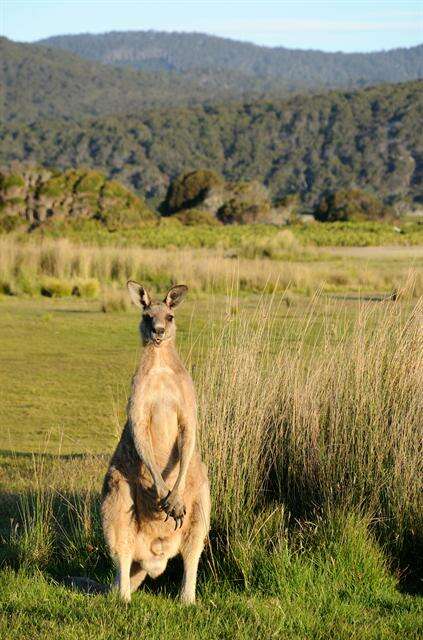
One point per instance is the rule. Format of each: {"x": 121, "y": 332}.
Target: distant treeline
{"x": 370, "y": 139}
{"x": 189, "y": 53}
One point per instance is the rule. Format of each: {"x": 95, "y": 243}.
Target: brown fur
{"x": 156, "y": 499}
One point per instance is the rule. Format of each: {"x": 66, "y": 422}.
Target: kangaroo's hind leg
{"x": 123, "y": 581}
{"x": 193, "y": 544}
{"x": 137, "y": 576}
{"x": 119, "y": 527}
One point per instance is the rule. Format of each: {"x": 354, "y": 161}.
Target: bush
{"x": 189, "y": 189}
{"x": 9, "y": 223}
{"x": 56, "y": 287}
{"x": 350, "y": 205}
{"x": 193, "y": 217}
{"x": 247, "y": 202}
{"x": 70, "y": 195}
{"x": 11, "y": 180}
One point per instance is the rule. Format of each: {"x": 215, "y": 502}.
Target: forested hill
{"x": 370, "y": 138}
{"x": 193, "y": 52}
{"x": 38, "y": 81}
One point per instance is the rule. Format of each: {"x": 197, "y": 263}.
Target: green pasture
{"x": 172, "y": 233}
{"x": 67, "y": 366}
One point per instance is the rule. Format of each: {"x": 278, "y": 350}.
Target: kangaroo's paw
{"x": 174, "y": 507}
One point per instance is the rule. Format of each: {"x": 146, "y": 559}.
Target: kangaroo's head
{"x": 157, "y": 322}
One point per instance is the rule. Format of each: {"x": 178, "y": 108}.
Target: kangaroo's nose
{"x": 159, "y": 331}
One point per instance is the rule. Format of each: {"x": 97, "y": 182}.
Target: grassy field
{"x": 169, "y": 232}
{"x": 310, "y": 413}
{"x": 61, "y": 269}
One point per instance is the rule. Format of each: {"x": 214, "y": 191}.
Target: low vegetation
{"x": 60, "y": 268}
{"x": 29, "y": 196}
{"x": 227, "y": 202}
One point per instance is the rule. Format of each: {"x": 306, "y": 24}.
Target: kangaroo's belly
{"x": 165, "y": 399}
{"x": 164, "y": 433}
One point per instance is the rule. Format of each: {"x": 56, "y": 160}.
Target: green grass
{"x": 328, "y": 571}
{"x": 67, "y": 366}
{"x": 340, "y": 589}
{"x": 171, "y": 233}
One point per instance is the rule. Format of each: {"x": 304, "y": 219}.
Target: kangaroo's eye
{"x": 169, "y": 318}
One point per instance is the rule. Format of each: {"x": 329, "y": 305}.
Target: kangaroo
{"x": 156, "y": 496}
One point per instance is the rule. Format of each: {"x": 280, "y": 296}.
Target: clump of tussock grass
{"x": 78, "y": 528}
{"x": 31, "y": 540}
{"x": 114, "y": 300}
{"x": 336, "y": 555}
{"x": 313, "y": 427}
{"x": 282, "y": 245}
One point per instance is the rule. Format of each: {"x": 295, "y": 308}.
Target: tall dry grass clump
{"x": 316, "y": 423}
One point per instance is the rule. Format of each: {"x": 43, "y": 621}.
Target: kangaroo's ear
{"x": 175, "y": 295}
{"x": 139, "y": 295}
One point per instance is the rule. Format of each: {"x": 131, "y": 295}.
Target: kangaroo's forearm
{"x": 143, "y": 446}
{"x": 186, "y": 445}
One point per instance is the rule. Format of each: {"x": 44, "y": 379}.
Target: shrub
{"x": 9, "y": 223}
{"x": 11, "y": 180}
{"x": 90, "y": 182}
{"x": 246, "y": 203}
{"x": 193, "y": 217}
{"x": 189, "y": 189}
{"x": 72, "y": 194}
{"x": 56, "y": 287}
{"x": 350, "y": 205}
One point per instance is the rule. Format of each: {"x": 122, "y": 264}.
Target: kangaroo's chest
{"x": 161, "y": 389}
{"x": 163, "y": 396}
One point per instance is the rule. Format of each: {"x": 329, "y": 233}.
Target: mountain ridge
{"x": 187, "y": 51}
{"x": 37, "y": 81}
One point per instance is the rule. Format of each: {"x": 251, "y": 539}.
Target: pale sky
{"x": 337, "y": 25}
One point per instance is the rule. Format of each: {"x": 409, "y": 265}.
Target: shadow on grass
{"x": 60, "y": 535}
